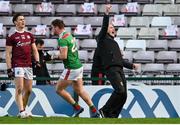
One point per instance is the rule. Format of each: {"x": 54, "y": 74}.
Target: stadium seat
{"x": 153, "y": 69}
{"x": 65, "y": 10}
{"x": 143, "y": 1}
{"x": 120, "y": 42}
{"x": 177, "y": 1}
{"x": 139, "y": 22}
{"x": 16, "y": 1}
{"x": 73, "y": 21}
{"x": 166, "y": 57}
{"x": 2, "y": 44}
{"x": 6, "y": 21}
{"x": 163, "y": 1}
{"x": 90, "y": 56}
{"x": 3, "y": 31}
{"x": 87, "y": 68}
{"x": 127, "y": 55}
{"x": 94, "y": 21}
{"x": 25, "y": 9}
{"x": 174, "y": 45}
{"x": 99, "y": 1}
{"x": 44, "y": 10}
{"x": 143, "y": 57}
{"x": 2, "y": 56}
{"x": 88, "y": 44}
{"x": 57, "y": 1}
{"x": 119, "y": 1}
{"x": 171, "y": 10}
{"x": 127, "y": 12}
{"x": 81, "y": 13}
{"x": 161, "y": 22}
{"x": 77, "y": 1}
{"x": 173, "y": 68}
{"x": 47, "y": 20}
{"x": 152, "y": 10}
{"x": 32, "y": 21}
{"x": 148, "y": 33}
{"x": 42, "y": 33}
{"x": 55, "y": 68}
{"x": 5, "y": 8}
{"x": 127, "y": 33}
{"x": 3, "y": 68}
{"x": 177, "y": 21}
{"x": 83, "y": 56}
{"x": 135, "y": 45}
{"x": 157, "y": 45}
{"x": 50, "y": 44}
{"x": 34, "y": 1}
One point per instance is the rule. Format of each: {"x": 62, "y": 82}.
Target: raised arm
{"x": 105, "y": 23}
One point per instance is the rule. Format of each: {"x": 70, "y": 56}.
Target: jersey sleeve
{"x": 62, "y": 42}
{"x": 32, "y": 38}
{"x": 9, "y": 41}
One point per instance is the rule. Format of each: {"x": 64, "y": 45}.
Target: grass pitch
{"x": 64, "y": 120}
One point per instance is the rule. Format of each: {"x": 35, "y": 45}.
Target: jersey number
{"x": 74, "y": 47}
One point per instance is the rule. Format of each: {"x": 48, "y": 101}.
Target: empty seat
{"x": 2, "y": 56}
{"x": 143, "y": 57}
{"x": 157, "y": 45}
{"x": 173, "y": 68}
{"x": 127, "y": 55}
{"x": 25, "y": 9}
{"x": 120, "y": 42}
{"x": 143, "y": 1}
{"x": 88, "y": 44}
{"x": 3, "y": 68}
{"x": 148, "y": 33}
{"x": 77, "y": 1}
{"x": 135, "y": 45}
{"x": 83, "y": 55}
{"x": 177, "y": 1}
{"x": 73, "y": 21}
{"x": 50, "y": 44}
{"x": 57, "y": 1}
{"x": 166, "y": 57}
{"x": 171, "y": 10}
{"x": 99, "y": 1}
{"x": 161, "y": 21}
{"x": 174, "y": 45}
{"x": 34, "y": 1}
{"x": 47, "y": 20}
{"x": 32, "y": 21}
{"x": 65, "y": 10}
{"x": 153, "y": 69}
{"x": 119, "y": 1}
{"x": 127, "y": 33}
{"x": 177, "y": 21}
{"x": 152, "y": 10}
{"x": 55, "y": 68}
{"x": 101, "y": 9}
{"x": 94, "y": 21}
{"x": 2, "y": 44}
{"x": 97, "y": 31}
{"x": 163, "y": 1}
{"x": 87, "y": 68}
{"x": 6, "y": 21}
{"x": 140, "y": 21}
{"x": 3, "y": 31}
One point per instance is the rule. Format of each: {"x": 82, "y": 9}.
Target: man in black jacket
{"x": 109, "y": 58}
{"x": 43, "y": 57}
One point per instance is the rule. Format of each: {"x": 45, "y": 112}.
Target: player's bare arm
{"x": 35, "y": 52}
{"x": 8, "y": 56}
{"x": 63, "y": 53}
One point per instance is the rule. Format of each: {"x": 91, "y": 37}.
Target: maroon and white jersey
{"x": 21, "y": 43}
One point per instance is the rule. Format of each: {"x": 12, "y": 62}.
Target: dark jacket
{"x": 107, "y": 53}
{"x": 42, "y": 71}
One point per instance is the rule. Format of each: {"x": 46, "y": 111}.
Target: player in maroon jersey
{"x": 19, "y": 47}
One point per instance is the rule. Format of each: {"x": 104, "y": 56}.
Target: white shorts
{"x": 72, "y": 74}
{"x": 25, "y": 72}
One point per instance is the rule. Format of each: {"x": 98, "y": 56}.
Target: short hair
{"x": 39, "y": 41}
{"x": 59, "y": 23}
{"x": 16, "y": 16}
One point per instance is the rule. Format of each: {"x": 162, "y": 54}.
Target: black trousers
{"x": 115, "y": 103}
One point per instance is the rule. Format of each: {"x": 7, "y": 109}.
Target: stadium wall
{"x": 142, "y": 102}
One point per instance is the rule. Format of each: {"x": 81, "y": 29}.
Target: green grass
{"x": 62, "y": 120}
